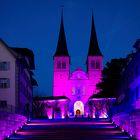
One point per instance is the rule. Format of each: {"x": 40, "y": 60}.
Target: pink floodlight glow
{"x": 62, "y": 100}
{"x": 49, "y": 113}
{"x": 103, "y": 115}
{"x": 77, "y": 86}
{"x": 63, "y": 116}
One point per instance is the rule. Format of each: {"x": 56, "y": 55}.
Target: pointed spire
{"x": 61, "y": 45}
{"x": 94, "y": 49}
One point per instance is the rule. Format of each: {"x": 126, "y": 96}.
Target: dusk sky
{"x": 35, "y": 24}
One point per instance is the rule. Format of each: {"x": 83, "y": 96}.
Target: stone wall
{"x": 10, "y": 123}
{"x": 129, "y": 122}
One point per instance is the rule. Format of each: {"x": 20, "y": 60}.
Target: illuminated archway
{"x": 78, "y": 107}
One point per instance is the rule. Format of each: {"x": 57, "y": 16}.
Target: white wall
{"x": 8, "y": 94}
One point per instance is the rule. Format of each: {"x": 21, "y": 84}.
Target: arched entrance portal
{"x": 78, "y": 108}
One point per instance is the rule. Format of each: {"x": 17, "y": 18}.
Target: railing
{"x": 10, "y": 123}
{"x": 127, "y": 121}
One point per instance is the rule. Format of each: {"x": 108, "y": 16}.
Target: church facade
{"x": 72, "y": 91}
{"x": 79, "y": 85}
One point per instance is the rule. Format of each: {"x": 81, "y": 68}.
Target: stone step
{"x": 70, "y": 130}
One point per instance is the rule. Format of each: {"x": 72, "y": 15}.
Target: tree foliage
{"x": 111, "y": 76}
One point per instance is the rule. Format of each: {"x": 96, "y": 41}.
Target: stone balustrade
{"x": 10, "y": 123}
{"x": 129, "y": 123}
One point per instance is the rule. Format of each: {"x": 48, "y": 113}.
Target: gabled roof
{"x": 94, "y": 49}
{"x": 22, "y": 52}
{"x": 61, "y": 45}
{"x": 14, "y": 54}
{"x": 25, "y": 52}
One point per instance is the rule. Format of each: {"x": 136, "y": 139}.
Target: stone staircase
{"x": 70, "y": 129}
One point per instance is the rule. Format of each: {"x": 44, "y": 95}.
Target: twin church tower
{"x": 79, "y": 85}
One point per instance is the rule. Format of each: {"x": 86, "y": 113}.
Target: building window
{"x": 137, "y": 70}
{"x": 97, "y": 65}
{"x": 3, "y": 104}
{"x": 63, "y": 65}
{"x": 4, "y": 83}
{"x": 4, "y": 66}
{"x": 58, "y": 65}
{"x": 137, "y": 93}
{"x": 92, "y": 64}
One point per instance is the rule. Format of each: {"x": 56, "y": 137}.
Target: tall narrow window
{"x": 137, "y": 71}
{"x": 4, "y": 83}
{"x": 78, "y": 91}
{"x": 84, "y": 90}
{"x": 4, "y": 66}
{"x": 73, "y": 90}
{"x": 63, "y": 65}
{"x": 58, "y": 65}
{"x": 97, "y": 65}
{"x": 137, "y": 93}
{"x": 92, "y": 64}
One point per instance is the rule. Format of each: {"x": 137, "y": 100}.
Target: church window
{"x": 78, "y": 92}
{"x": 73, "y": 91}
{"x": 97, "y": 65}
{"x": 63, "y": 65}
{"x": 78, "y": 76}
{"x": 92, "y": 64}
{"x": 84, "y": 90}
{"x": 58, "y": 65}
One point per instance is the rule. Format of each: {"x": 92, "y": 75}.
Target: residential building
{"x": 126, "y": 113}
{"x": 16, "y": 80}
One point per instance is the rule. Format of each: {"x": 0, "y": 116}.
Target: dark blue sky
{"x": 35, "y": 24}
